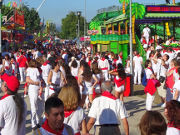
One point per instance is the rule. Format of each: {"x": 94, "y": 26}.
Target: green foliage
{"x": 137, "y": 9}
{"x": 69, "y": 26}
{"x": 126, "y": 1}
{"x": 32, "y": 19}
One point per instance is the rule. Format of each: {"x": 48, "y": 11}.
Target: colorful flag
{"x": 14, "y": 4}
{"x": 9, "y": 4}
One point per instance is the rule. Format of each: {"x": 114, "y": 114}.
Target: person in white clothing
{"x": 176, "y": 88}
{"x": 146, "y": 33}
{"x": 74, "y": 114}
{"x": 13, "y": 108}
{"x": 74, "y": 69}
{"x": 46, "y": 67}
{"x": 137, "y": 62}
{"x": 172, "y": 114}
{"x": 105, "y": 113}
{"x": 54, "y": 79}
{"x": 103, "y": 64}
{"x": 53, "y": 125}
{"x": 33, "y": 79}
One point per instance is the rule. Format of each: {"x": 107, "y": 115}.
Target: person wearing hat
{"x": 13, "y": 108}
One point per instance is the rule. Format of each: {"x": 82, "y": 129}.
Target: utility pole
{"x": 84, "y": 22}
{"x": 1, "y": 1}
{"x": 79, "y": 15}
{"x": 131, "y": 46}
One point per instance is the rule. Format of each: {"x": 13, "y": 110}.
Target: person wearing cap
{"x": 105, "y": 112}
{"x": 13, "y": 108}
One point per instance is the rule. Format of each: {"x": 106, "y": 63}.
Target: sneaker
{"x": 25, "y": 96}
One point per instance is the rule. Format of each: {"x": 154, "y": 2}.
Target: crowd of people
{"x": 64, "y": 82}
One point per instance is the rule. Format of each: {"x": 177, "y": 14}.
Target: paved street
{"x": 135, "y": 106}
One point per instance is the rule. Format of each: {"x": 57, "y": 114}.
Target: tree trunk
{"x": 119, "y": 29}
{"x": 124, "y": 7}
{"x": 107, "y": 30}
{"x": 133, "y": 29}
{"x": 174, "y": 3}
{"x": 126, "y": 27}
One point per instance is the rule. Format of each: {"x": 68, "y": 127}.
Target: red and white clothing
{"x": 7, "y": 66}
{"x": 74, "y": 119}
{"x": 9, "y": 117}
{"x": 177, "y": 88}
{"x": 74, "y": 72}
{"x": 106, "y": 109}
{"x": 119, "y": 84}
{"x": 13, "y": 68}
{"x": 149, "y": 95}
{"x": 33, "y": 92}
{"x": 56, "y": 79}
{"x": 45, "y": 72}
{"x": 171, "y": 130}
{"x": 46, "y": 130}
{"x": 103, "y": 64}
{"x": 137, "y": 68}
{"x": 22, "y": 67}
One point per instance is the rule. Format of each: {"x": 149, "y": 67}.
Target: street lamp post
{"x": 78, "y": 14}
{"x": 84, "y": 22}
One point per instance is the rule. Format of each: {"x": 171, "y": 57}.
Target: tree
{"x": 138, "y": 12}
{"x": 124, "y": 5}
{"x": 31, "y": 19}
{"x": 69, "y": 26}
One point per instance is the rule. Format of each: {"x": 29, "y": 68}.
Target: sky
{"x": 55, "y": 10}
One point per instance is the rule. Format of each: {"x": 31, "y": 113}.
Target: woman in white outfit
{"x": 74, "y": 114}
{"x": 7, "y": 64}
{"x": 33, "y": 79}
{"x": 54, "y": 79}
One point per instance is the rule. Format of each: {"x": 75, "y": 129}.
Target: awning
{"x": 116, "y": 19}
{"x": 162, "y": 15}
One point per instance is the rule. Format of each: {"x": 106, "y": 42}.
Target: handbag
{"x": 162, "y": 79}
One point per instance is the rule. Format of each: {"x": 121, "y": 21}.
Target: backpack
{"x": 144, "y": 79}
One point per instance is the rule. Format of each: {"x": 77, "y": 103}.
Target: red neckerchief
{"x": 103, "y": 59}
{"x": 150, "y": 69}
{"x": 172, "y": 125}
{"x": 121, "y": 56}
{"x": 45, "y": 63}
{"x": 114, "y": 61}
{"x": 109, "y": 95}
{"x": 138, "y": 55}
{"x": 47, "y": 128}
{"x": 5, "y": 96}
{"x": 67, "y": 113}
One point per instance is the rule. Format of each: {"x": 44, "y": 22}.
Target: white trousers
{"x": 46, "y": 94}
{"x": 105, "y": 75}
{"x": 22, "y": 73}
{"x": 149, "y": 101}
{"x": 137, "y": 75}
{"x": 147, "y": 39}
{"x": 36, "y": 107}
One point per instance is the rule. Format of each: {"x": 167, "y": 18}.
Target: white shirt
{"x": 103, "y": 64}
{"x": 107, "y": 111}
{"x": 137, "y": 62}
{"x": 146, "y": 31}
{"x": 9, "y": 117}
{"x": 172, "y": 131}
{"x": 75, "y": 119}
{"x": 74, "y": 71}
{"x": 45, "y": 70}
{"x": 148, "y": 73}
{"x": 176, "y": 76}
{"x": 177, "y": 87}
{"x": 34, "y": 75}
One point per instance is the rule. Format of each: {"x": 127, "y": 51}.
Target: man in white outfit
{"x": 137, "y": 62}
{"x": 103, "y": 64}
{"x": 146, "y": 33}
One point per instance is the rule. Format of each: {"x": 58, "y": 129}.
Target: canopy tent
{"x": 116, "y": 19}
